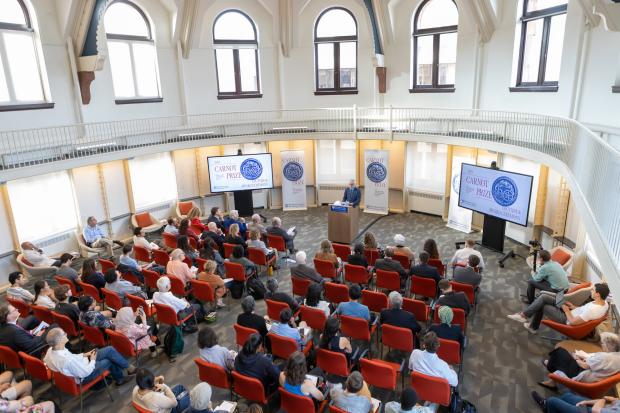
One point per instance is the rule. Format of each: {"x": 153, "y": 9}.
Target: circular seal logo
{"x": 456, "y": 183}
{"x": 251, "y": 169}
{"x": 376, "y": 172}
{"x": 504, "y": 191}
{"x": 293, "y": 171}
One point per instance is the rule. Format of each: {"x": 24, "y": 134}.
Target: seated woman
{"x": 91, "y": 276}
{"x": 237, "y": 257}
{"x": 326, "y": 253}
{"x": 408, "y": 404}
{"x": 44, "y": 295}
{"x": 585, "y": 367}
{"x": 91, "y": 316}
{"x": 233, "y": 237}
{"x": 358, "y": 257}
{"x": 294, "y": 380}
{"x": 369, "y": 241}
{"x": 426, "y": 361}
{"x": 215, "y": 281}
{"x": 356, "y": 396}
{"x": 210, "y": 251}
{"x": 177, "y": 267}
{"x": 194, "y": 218}
{"x": 214, "y": 353}
{"x": 400, "y": 248}
{"x": 184, "y": 245}
{"x": 139, "y": 240}
{"x": 313, "y": 298}
{"x": 152, "y": 394}
{"x": 254, "y": 241}
{"x": 332, "y": 340}
{"x": 446, "y": 330}
{"x": 200, "y": 399}
{"x": 287, "y": 328}
{"x": 16, "y": 396}
{"x": 430, "y": 246}
{"x": 570, "y": 402}
{"x": 185, "y": 229}
{"x": 251, "y": 362}
{"x": 138, "y": 334}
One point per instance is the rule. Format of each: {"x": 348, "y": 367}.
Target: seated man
{"x": 549, "y": 277}
{"x": 303, "y": 270}
{"x": 287, "y": 328}
{"x": 461, "y": 255}
{"x": 95, "y": 238}
{"x": 126, "y": 260}
{"x": 182, "y": 307}
{"x": 37, "y": 257}
{"x": 425, "y": 270}
{"x": 275, "y": 295}
{"x": 454, "y": 299}
{"x": 85, "y": 367}
{"x": 217, "y": 217}
{"x": 396, "y": 316}
{"x": 568, "y": 313}
{"x": 215, "y": 234}
{"x": 354, "y": 308}
{"x": 390, "y": 264}
{"x": 233, "y": 218}
{"x": 276, "y": 229}
{"x": 426, "y": 361}
{"x": 468, "y": 275}
{"x": 355, "y": 397}
{"x": 17, "y": 337}
{"x": 250, "y": 320}
{"x": 256, "y": 224}
{"x": 16, "y": 290}
{"x": 113, "y": 282}
{"x": 172, "y": 226}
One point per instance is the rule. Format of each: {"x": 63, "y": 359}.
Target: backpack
{"x": 236, "y": 289}
{"x": 459, "y": 405}
{"x": 173, "y": 341}
{"x": 256, "y": 288}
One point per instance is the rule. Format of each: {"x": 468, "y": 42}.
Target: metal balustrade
{"x": 592, "y": 165}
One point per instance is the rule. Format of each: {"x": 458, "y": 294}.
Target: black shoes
{"x": 540, "y": 401}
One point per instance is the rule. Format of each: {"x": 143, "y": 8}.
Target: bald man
{"x": 37, "y": 257}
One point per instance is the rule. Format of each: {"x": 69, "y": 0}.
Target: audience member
{"x": 91, "y": 316}
{"x": 44, "y": 295}
{"x": 217, "y": 217}
{"x": 254, "y": 241}
{"x": 215, "y": 281}
{"x": 214, "y": 233}
{"x": 303, "y": 270}
{"x": 355, "y": 397}
{"x": 200, "y": 399}
{"x": 358, "y": 257}
{"x": 64, "y": 307}
{"x": 177, "y": 267}
{"x": 37, "y": 257}
{"x": 233, "y": 218}
{"x": 332, "y": 340}
{"x": 288, "y": 328}
{"x": 153, "y": 394}
{"x": 95, "y": 238}
{"x": 85, "y": 367}
{"x": 400, "y": 248}
{"x": 237, "y": 257}
{"x": 17, "y": 290}
{"x": 181, "y": 306}
{"x": 66, "y": 271}
{"x": 430, "y": 246}
{"x": 275, "y": 295}
{"x": 185, "y": 229}
{"x": 16, "y": 396}
{"x": 138, "y": 334}
{"x": 461, "y": 255}
{"x": 468, "y": 274}
{"x": 288, "y": 236}
{"x": 326, "y": 253}
{"x": 426, "y": 361}
{"x": 567, "y": 313}
{"x": 570, "y": 402}
{"x": 445, "y": 329}
{"x": 396, "y": 316}
{"x": 250, "y": 320}
{"x": 408, "y": 404}
{"x": 91, "y": 276}
{"x": 388, "y": 263}
{"x": 251, "y": 362}
{"x": 194, "y": 218}
{"x": 294, "y": 379}
{"x": 353, "y": 308}
{"x": 209, "y": 251}
{"x": 139, "y": 240}
{"x": 115, "y": 283}
{"x": 212, "y": 352}
{"x": 172, "y": 226}
{"x": 454, "y": 299}
{"x": 233, "y": 237}
{"x": 549, "y": 277}
{"x": 128, "y": 261}
{"x": 184, "y": 245}
{"x": 17, "y": 337}
{"x": 256, "y": 224}
{"x": 425, "y": 270}
{"x": 370, "y": 243}
{"x": 313, "y": 298}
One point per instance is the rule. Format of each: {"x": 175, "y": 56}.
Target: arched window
{"x": 540, "y": 46}
{"x": 21, "y": 73}
{"x": 133, "y": 57}
{"x": 236, "y": 55}
{"x": 335, "y": 52}
{"x": 435, "y": 26}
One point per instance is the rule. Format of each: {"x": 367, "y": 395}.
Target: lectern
{"x": 342, "y": 223}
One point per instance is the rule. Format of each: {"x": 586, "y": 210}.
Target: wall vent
{"x": 54, "y": 240}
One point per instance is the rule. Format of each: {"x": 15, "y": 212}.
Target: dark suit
{"x": 449, "y": 332}
{"x": 305, "y": 272}
{"x": 400, "y": 318}
{"x": 236, "y": 241}
{"x": 357, "y": 259}
{"x": 352, "y": 195}
{"x": 217, "y": 220}
{"x": 19, "y": 339}
{"x": 426, "y": 271}
{"x": 455, "y": 299}
{"x": 389, "y": 264}
{"x": 218, "y": 239}
{"x": 251, "y": 320}
{"x": 467, "y": 275}
{"x": 288, "y": 239}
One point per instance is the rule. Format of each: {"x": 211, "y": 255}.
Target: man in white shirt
{"x": 85, "y": 367}
{"x": 37, "y": 257}
{"x": 462, "y": 255}
{"x": 172, "y": 227}
{"x": 428, "y": 362}
{"x": 16, "y": 290}
{"x": 182, "y": 307}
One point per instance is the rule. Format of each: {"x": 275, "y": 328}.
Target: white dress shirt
{"x": 144, "y": 243}
{"x": 431, "y": 365}
{"x": 69, "y": 364}
{"x": 38, "y": 259}
{"x": 169, "y": 299}
{"x": 462, "y": 255}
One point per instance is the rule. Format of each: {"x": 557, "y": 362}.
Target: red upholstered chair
{"x": 139, "y": 408}
{"x": 177, "y": 286}
{"x": 283, "y": 347}
{"x": 575, "y": 332}
{"x": 334, "y": 409}
{"x": 68, "y": 385}
{"x": 91, "y": 291}
{"x": 93, "y": 335}
{"x": 249, "y": 388}
{"x": 203, "y": 291}
{"x": 193, "y": 243}
{"x": 161, "y": 257}
{"x": 242, "y": 334}
{"x": 167, "y": 315}
{"x": 404, "y": 260}
{"x": 274, "y": 308}
{"x": 235, "y": 271}
{"x": 129, "y": 276}
{"x": 22, "y": 307}
{"x": 200, "y": 264}
{"x": 258, "y": 257}
{"x": 341, "y": 250}
{"x": 141, "y": 254}
{"x": 293, "y": 403}
{"x": 183, "y": 208}
{"x": 42, "y": 313}
{"x": 450, "y": 352}
{"x": 431, "y": 389}
{"x": 277, "y": 242}
{"x": 112, "y": 299}
{"x": 35, "y": 368}
{"x": 136, "y": 301}
{"x": 170, "y": 240}
{"x": 459, "y": 317}
{"x": 379, "y": 373}
{"x": 436, "y": 262}
{"x": 150, "y": 278}
{"x": 372, "y": 255}
{"x": 106, "y": 265}
{"x": 65, "y": 281}
{"x": 397, "y": 338}
{"x": 594, "y": 390}
{"x": 336, "y": 293}
{"x": 389, "y": 280}
{"x": 228, "y": 248}
{"x": 300, "y": 286}
{"x": 356, "y": 328}
{"x": 9, "y": 358}
{"x": 332, "y": 362}
{"x": 314, "y": 317}
{"x": 426, "y": 287}
{"x": 375, "y": 301}
{"x": 213, "y": 374}
{"x": 67, "y": 325}
{"x": 418, "y": 308}
{"x": 468, "y": 289}
{"x": 356, "y": 274}
{"x": 325, "y": 268}
{"x": 124, "y": 345}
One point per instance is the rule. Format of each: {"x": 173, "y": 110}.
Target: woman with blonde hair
{"x": 177, "y": 267}
{"x": 326, "y": 253}
{"x": 125, "y": 322}
{"x": 234, "y": 237}
{"x": 215, "y": 281}
{"x": 194, "y": 217}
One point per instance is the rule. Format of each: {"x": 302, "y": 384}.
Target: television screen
{"x": 502, "y": 194}
{"x": 240, "y": 172}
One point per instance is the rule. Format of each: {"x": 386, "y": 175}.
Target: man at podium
{"x": 352, "y": 194}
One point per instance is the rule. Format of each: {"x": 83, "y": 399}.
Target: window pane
{"x": 447, "y": 59}
{"x": 153, "y": 180}
{"x": 438, "y": 13}
{"x": 4, "y": 89}
{"x": 145, "y": 59}
{"x": 533, "y": 5}
{"x": 336, "y": 22}
{"x": 121, "y": 18}
{"x": 11, "y": 12}
{"x": 348, "y": 60}
{"x": 424, "y": 60}
{"x": 233, "y": 25}
{"x": 122, "y": 70}
{"x": 225, "y": 70}
{"x": 531, "y": 54}
{"x": 247, "y": 65}
{"x": 23, "y": 66}
{"x": 325, "y": 64}
{"x": 554, "y": 50}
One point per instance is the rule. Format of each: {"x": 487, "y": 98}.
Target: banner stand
{"x": 376, "y": 181}
{"x": 293, "y": 180}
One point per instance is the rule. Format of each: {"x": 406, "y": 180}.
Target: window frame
{"x": 335, "y": 40}
{"x": 526, "y": 17}
{"x": 436, "y": 33}
{"x": 130, "y": 39}
{"x": 14, "y": 104}
{"x": 238, "y": 93}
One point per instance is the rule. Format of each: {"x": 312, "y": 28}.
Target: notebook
{"x": 226, "y": 406}
{"x": 375, "y": 404}
{"x": 313, "y": 379}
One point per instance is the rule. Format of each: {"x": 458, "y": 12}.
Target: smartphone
{"x": 182, "y": 395}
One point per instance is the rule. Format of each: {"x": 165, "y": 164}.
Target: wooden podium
{"x": 342, "y": 223}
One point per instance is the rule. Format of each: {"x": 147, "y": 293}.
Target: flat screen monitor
{"x": 502, "y": 194}
{"x": 240, "y": 172}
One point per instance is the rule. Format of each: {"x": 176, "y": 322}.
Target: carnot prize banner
{"x": 293, "y": 180}
{"x": 376, "y": 181}
{"x": 458, "y": 218}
